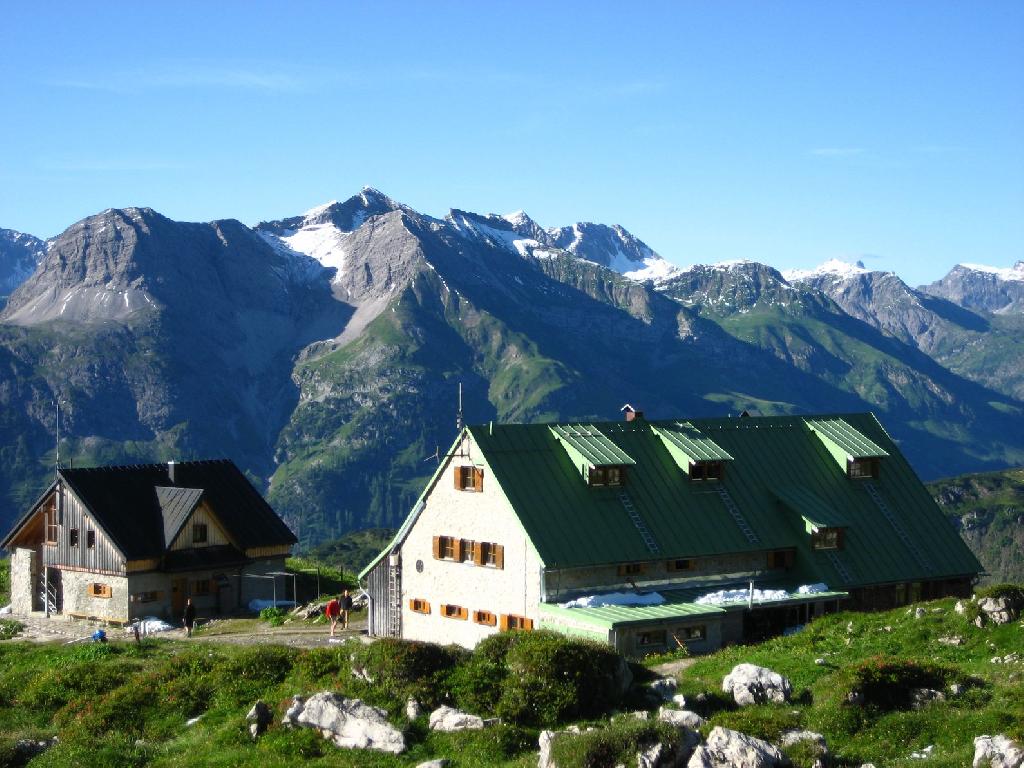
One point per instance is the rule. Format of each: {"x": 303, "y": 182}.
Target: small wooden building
{"x": 120, "y": 543}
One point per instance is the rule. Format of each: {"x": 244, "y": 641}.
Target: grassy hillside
{"x": 988, "y": 509}
{"x": 127, "y": 705}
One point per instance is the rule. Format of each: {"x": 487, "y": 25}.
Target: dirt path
{"x": 61, "y": 629}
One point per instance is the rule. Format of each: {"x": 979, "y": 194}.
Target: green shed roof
{"x": 846, "y": 437}
{"x": 573, "y": 525}
{"x": 679, "y": 605}
{"x": 810, "y": 507}
{"x": 588, "y": 441}
{"x": 691, "y": 442}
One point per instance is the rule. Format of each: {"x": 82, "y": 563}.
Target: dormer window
{"x": 827, "y": 538}
{"x": 706, "y": 470}
{"x": 613, "y": 476}
{"x": 860, "y": 469}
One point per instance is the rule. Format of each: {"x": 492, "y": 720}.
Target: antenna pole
{"x": 458, "y": 415}
{"x": 56, "y": 466}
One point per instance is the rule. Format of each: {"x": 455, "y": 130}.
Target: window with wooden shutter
{"x": 99, "y": 590}
{"x": 445, "y": 547}
{"x": 631, "y": 569}
{"x": 454, "y": 612}
{"x": 418, "y": 605}
{"x": 485, "y": 617}
{"x": 469, "y": 479}
{"x": 511, "y": 621}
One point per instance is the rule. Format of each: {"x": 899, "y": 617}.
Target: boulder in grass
{"x": 347, "y": 723}
{"x": 681, "y": 718}
{"x": 441, "y": 762}
{"x": 751, "y": 684}
{"x": 816, "y": 740}
{"x": 731, "y": 749}
{"x": 997, "y": 752}
{"x": 260, "y": 717}
{"x": 998, "y": 610}
{"x": 449, "y": 720}
{"x": 664, "y": 688}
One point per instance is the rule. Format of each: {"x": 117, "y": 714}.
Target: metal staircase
{"x": 734, "y": 511}
{"x": 901, "y": 532}
{"x": 47, "y": 595}
{"x": 638, "y": 521}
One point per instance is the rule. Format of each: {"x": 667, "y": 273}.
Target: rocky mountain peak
{"x": 20, "y": 254}
{"x": 999, "y": 290}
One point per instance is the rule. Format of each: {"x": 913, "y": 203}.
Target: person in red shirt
{"x": 332, "y": 612}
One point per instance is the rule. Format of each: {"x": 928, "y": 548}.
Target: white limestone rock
{"x": 449, "y": 720}
{"x": 664, "y": 688}
{"x": 998, "y": 610}
{"x": 751, "y": 684}
{"x": 731, "y": 749}
{"x": 789, "y": 738}
{"x": 441, "y": 762}
{"x": 412, "y": 708}
{"x": 681, "y": 718}
{"x": 347, "y": 723}
{"x": 997, "y": 752}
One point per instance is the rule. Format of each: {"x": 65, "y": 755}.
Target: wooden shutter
{"x": 458, "y": 547}
{"x": 478, "y": 479}
{"x": 499, "y": 556}
{"x": 437, "y": 547}
{"x": 528, "y": 624}
{"x": 457, "y": 474}
{"x": 478, "y": 553}
{"x": 504, "y": 623}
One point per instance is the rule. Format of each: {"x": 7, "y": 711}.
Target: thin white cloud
{"x": 837, "y": 151}
{"x": 108, "y": 165}
{"x": 198, "y": 74}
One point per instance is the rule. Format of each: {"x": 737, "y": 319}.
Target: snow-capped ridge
{"x": 1014, "y": 273}
{"x": 832, "y": 267}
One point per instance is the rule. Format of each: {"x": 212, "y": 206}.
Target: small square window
{"x": 652, "y": 637}
{"x": 199, "y": 533}
{"x": 706, "y": 470}
{"x": 445, "y": 547}
{"x": 454, "y": 612}
{"x": 418, "y": 605}
{"x": 827, "y": 538}
{"x": 683, "y": 564}
{"x": 510, "y": 622}
{"x": 693, "y": 632}
{"x": 99, "y": 590}
{"x": 73, "y": 537}
{"x": 485, "y": 617}
{"x": 606, "y": 476}
{"x": 860, "y": 469}
{"x": 469, "y": 478}
{"x": 631, "y": 569}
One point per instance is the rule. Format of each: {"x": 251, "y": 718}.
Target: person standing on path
{"x": 332, "y": 612}
{"x": 189, "y": 617}
{"x": 346, "y": 606}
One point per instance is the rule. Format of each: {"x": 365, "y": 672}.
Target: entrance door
{"x": 179, "y": 591}
{"x": 53, "y": 589}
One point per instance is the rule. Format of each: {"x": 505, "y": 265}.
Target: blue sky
{"x": 785, "y": 132}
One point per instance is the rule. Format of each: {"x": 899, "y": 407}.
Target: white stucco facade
{"x": 479, "y": 516}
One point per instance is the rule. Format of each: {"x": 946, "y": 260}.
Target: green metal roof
{"x": 845, "y": 437}
{"x": 689, "y": 440}
{"x": 811, "y": 508}
{"x": 590, "y": 443}
{"x": 573, "y": 525}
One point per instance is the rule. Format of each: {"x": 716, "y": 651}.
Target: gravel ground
{"x": 60, "y": 629}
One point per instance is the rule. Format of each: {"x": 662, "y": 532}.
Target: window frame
{"x": 649, "y": 638}
{"x": 452, "y": 611}
{"x": 90, "y": 538}
{"x": 469, "y": 478}
{"x": 200, "y": 533}
{"x": 610, "y": 476}
{"x": 201, "y": 588}
{"x": 486, "y": 618}
{"x": 827, "y": 539}
{"x": 672, "y": 566}
{"x": 855, "y": 468}
{"x": 510, "y": 622}
{"x": 630, "y": 569}
{"x": 692, "y": 632}
{"x": 73, "y": 537}
{"x": 52, "y": 528}
{"x": 703, "y": 471}
{"x": 98, "y": 589}
{"x": 419, "y": 605}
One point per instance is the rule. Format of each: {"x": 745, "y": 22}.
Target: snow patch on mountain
{"x": 831, "y": 268}
{"x": 324, "y": 243}
{"x": 1014, "y": 273}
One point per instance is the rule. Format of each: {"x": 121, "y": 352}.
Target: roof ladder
{"x": 394, "y": 622}
{"x": 638, "y": 521}
{"x": 901, "y": 532}
{"x": 733, "y": 510}
{"x": 839, "y": 565}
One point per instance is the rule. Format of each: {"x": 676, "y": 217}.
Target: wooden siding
{"x": 379, "y": 620}
{"x": 215, "y": 535}
{"x": 280, "y": 549}
{"x": 72, "y": 515}
{"x": 135, "y": 566}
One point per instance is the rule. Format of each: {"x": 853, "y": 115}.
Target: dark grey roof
{"x": 176, "y": 504}
{"x": 126, "y": 503}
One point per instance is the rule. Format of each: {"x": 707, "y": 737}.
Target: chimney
{"x": 170, "y": 471}
{"x": 632, "y": 414}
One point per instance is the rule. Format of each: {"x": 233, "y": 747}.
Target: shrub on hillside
{"x": 273, "y": 616}
{"x": 618, "y": 744}
{"x": 397, "y": 669}
{"x": 887, "y": 683}
{"x": 538, "y": 678}
{"x": 1012, "y": 592}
